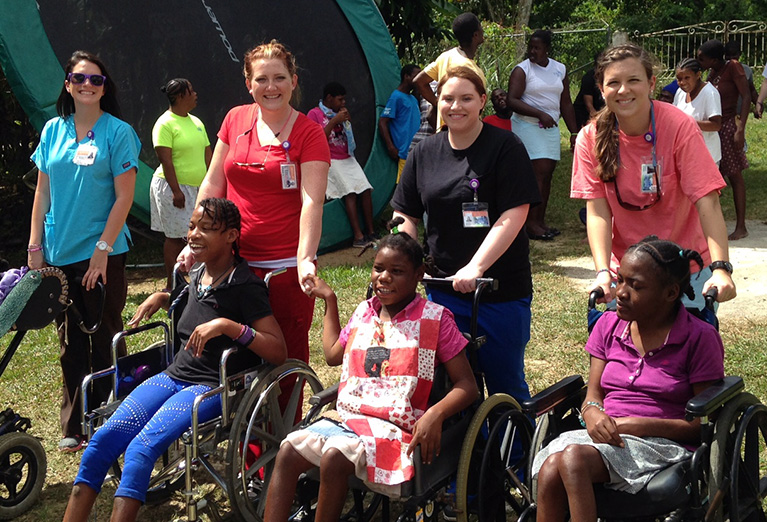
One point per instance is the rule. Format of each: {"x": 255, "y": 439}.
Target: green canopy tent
{"x": 144, "y": 43}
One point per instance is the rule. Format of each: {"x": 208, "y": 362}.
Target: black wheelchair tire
{"x": 722, "y": 446}
{"x": 254, "y": 420}
{"x": 472, "y": 451}
{"x": 29, "y": 470}
{"x": 748, "y": 482}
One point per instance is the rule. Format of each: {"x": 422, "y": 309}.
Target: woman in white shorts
{"x": 183, "y": 149}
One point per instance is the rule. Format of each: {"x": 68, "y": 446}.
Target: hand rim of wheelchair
{"x": 248, "y": 416}
{"x": 29, "y": 470}
{"x": 731, "y": 425}
{"x": 468, "y": 466}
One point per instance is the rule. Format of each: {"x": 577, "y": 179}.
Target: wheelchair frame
{"x": 250, "y": 410}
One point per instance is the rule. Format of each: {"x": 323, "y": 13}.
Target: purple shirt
{"x": 660, "y": 383}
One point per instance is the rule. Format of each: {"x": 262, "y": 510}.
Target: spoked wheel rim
{"x": 722, "y": 446}
{"x": 22, "y": 473}
{"x": 748, "y": 479}
{"x": 499, "y": 414}
{"x": 255, "y": 436}
{"x": 504, "y": 467}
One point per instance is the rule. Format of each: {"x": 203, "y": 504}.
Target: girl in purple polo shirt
{"x": 647, "y": 360}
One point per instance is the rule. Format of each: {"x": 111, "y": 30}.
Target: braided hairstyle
{"x": 402, "y": 243}
{"x": 226, "y": 214}
{"x": 689, "y": 64}
{"x": 176, "y": 88}
{"x": 607, "y": 134}
{"x": 672, "y": 261}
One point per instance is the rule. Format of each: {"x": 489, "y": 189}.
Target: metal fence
{"x": 672, "y": 45}
{"x": 576, "y": 46}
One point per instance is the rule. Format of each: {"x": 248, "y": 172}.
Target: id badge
{"x": 289, "y": 176}
{"x": 650, "y": 178}
{"x": 85, "y": 154}
{"x": 475, "y": 215}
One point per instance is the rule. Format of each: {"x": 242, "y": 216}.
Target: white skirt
{"x": 166, "y": 218}
{"x": 346, "y": 177}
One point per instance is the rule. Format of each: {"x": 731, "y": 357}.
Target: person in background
{"x": 642, "y": 164}
{"x": 730, "y": 80}
{"x": 700, "y": 100}
{"x": 502, "y": 116}
{"x": 401, "y": 118}
{"x": 732, "y": 52}
{"x": 428, "y": 119}
{"x": 589, "y": 100}
{"x": 668, "y": 92}
{"x": 346, "y": 179}
{"x": 183, "y": 148}
{"x": 88, "y": 159}
{"x": 539, "y": 92}
{"x": 467, "y": 29}
{"x": 759, "y": 105}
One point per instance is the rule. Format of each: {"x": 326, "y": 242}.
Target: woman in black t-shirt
{"x": 476, "y": 184}
{"x": 227, "y": 305}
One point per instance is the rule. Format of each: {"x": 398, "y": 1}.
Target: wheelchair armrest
{"x": 713, "y": 397}
{"x": 545, "y": 400}
{"x": 319, "y": 401}
{"x": 324, "y": 397}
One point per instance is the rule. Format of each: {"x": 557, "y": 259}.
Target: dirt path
{"x": 748, "y": 256}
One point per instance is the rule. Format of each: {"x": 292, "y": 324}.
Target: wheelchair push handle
{"x": 711, "y": 295}
{"x": 595, "y": 295}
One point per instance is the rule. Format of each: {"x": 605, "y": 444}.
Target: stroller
{"x": 33, "y": 303}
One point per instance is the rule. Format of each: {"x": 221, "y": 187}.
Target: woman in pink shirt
{"x": 647, "y": 360}
{"x": 642, "y": 167}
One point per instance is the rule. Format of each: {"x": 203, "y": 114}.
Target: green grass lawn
{"x": 31, "y": 384}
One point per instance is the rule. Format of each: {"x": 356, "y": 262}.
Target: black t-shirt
{"x": 436, "y": 180}
{"x": 588, "y": 86}
{"x": 243, "y": 298}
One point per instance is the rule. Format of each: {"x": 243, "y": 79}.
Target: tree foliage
{"x": 413, "y": 22}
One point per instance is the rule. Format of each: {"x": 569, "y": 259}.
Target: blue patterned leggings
{"x": 147, "y": 422}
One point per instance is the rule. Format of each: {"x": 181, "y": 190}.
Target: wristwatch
{"x": 726, "y": 265}
{"x": 102, "y": 245}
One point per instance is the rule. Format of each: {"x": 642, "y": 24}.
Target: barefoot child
{"x": 227, "y": 306}
{"x": 389, "y": 350}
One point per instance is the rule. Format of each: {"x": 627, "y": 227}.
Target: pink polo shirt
{"x": 687, "y": 170}
{"x": 660, "y": 383}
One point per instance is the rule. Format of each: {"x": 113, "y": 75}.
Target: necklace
{"x": 275, "y": 135}
{"x": 202, "y": 292}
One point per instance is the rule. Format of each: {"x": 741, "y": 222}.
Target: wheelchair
{"x": 464, "y": 443}
{"x": 724, "y": 479}
{"x": 32, "y": 304}
{"x": 256, "y": 416}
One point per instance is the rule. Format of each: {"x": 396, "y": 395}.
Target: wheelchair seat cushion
{"x": 666, "y": 491}
{"x": 630, "y": 467}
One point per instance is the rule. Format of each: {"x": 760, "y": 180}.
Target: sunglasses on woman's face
{"x": 97, "y": 80}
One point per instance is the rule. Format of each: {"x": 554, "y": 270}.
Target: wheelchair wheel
{"x": 22, "y": 473}
{"x": 262, "y": 421}
{"x": 748, "y": 477}
{"x": 723, "y": 457}
{"x": 493, "y": 456}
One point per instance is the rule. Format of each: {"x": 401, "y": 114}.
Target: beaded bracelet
{"x": 34, "y": 248}
{"x": 587, "y": 406}
{"x": 604, "y": 270}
